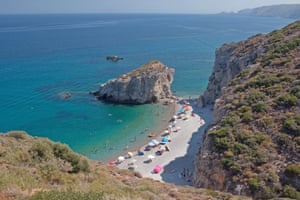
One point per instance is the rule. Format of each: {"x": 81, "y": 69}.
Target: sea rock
{"x": 114, "y": 58}
{"x": 65, "y": 95}
{"x": 149, "y": 83}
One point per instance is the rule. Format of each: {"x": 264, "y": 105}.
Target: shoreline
{"x": 177, "y": 163}
{"x": 171, "y": 111}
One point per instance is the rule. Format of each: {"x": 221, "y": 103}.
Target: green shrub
{"x": 268, "y": 192}
{"x": 287, "y": 100}
{"x": 256, "y": 71}
{"x": 239, "y": 148}
{"x": 73, "y": 195}
{"x": 63, "y": 152}
{"x": 290, "y": 192}
{"x": 259, "y": 107}
{"x": 222, "y": 143}
{"x": 254, "y": 96}
{"x": 221, "y": 132}
{"x": 254, "y": 184}
{"x": 243, "y": 135}
{"x": 244, "y": 73}
{"x": 247, "y": 117}
{"x": 287, "y": 46}
{"x": 230, "y": 120}
{"x": 81, "y": 165}
{"x": 19, "y": 135}
{"x": 296, "y": 91}
{"x": 263, "y": 81}
{"x": 273, "y": 90}
{"x": 227, "y": 162}
{"x": 291, "y": 125}
{"x": 284, "y": 140}
{"x": 259, "y": 158}
{"x": 239, "y": 89}
{"x": 292, "y": 170}
{"x": 39, "y": 150}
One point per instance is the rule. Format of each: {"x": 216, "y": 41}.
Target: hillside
{"x": 253, "y": 147}
{"x": 284, "y": 10}
{"x": 37, "y": 168}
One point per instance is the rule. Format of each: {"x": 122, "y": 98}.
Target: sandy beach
{"x": 183, "y": 143}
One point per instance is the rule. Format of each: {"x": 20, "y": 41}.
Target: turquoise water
{"x": 42, "y": 56}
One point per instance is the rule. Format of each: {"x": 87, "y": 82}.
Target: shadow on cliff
{"x": 180, "y": 171}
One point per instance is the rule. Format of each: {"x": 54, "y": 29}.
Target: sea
{"x": 45, "y": 56}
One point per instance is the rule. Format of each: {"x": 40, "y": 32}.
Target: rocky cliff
{"x": 231, "y": 59}
{"x": 253, "y": 145}
{"x": 148, "y": 84}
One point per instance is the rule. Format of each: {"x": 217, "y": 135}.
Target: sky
{"x": 133, "y": 6}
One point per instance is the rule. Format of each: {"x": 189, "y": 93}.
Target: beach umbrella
{"x": 155, "y": 142}
{"x": 187, "y": 108}
{"x": 165, "y": 139}
{"x": 121, "y": 158}
{"x": 157, "y": 169}
{"x": 130, "y": 154}
{"x": 151, "y": 156}
{"x": 132, "y": 167}
{"x": 182, "y": 110}
{"x": 111, "y": 164}
{"x": 151, "y": 144}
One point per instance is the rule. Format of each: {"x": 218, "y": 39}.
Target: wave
{"x": 58, "y": 26}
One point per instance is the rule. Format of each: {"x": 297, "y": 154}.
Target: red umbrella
{"x": 157, "y": 169}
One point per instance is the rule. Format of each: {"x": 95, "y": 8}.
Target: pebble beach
{"x": 169, "y": 156}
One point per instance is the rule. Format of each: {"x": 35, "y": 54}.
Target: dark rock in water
{"x": 65, "y": 95}
{"x": 148, "y": 84}
{"x": 114, "y": 58}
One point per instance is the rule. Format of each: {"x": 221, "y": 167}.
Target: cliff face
{"x": 230, "y": 60}
{"x": 253, "y": 145}
{"x": 148, "y": 84}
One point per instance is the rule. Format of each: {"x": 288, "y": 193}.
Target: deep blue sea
{"x": 43, "y": 56}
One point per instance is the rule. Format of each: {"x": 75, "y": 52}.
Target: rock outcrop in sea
{"x": 253, "y": 145}
{"x": 149, "y": 83}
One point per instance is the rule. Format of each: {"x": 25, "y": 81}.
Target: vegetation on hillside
{"x": 258, "y": 139}
{"x": 39, "y": 169}
{"x": 148, "y": 67}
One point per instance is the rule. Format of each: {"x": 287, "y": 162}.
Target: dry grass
{"x": 33, "y": 168}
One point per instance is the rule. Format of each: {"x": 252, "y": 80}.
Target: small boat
{"x": 114, "y": 58}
